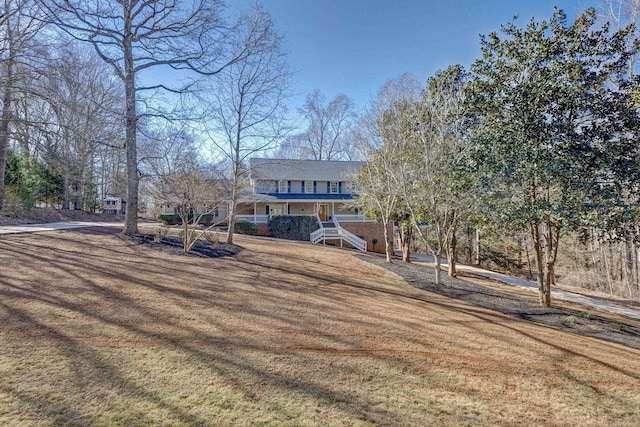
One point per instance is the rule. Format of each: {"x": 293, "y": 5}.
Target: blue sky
{"x": 355, "y": 46}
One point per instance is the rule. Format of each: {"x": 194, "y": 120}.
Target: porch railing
{"x": 352, "y": 218}
{"x": 338, "y": 233}
{"x": 257, "y": 219}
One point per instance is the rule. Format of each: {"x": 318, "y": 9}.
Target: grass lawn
{"x": 100, "y": 330}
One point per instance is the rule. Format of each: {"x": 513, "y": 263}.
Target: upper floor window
{"x": 308, "y": 187}
{"x": 283, "y": 186}
{"x": 334, "y": 187}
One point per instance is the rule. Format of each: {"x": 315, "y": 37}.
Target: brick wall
{"x": 263, "y": 230}
{"x": 369, "y": 231}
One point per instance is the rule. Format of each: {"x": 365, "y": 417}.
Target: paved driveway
{"x": 533, "y": 286}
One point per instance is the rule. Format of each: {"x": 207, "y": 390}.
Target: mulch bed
{"x": 582, "y": 322}
{"x": 174, "y": 245}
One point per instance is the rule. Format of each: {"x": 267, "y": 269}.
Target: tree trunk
{"x": 451, "y": 255}
{"x": 233, "y": 207}
{"x": 131, "y": 212}
{"x": 544, "y": 291}
{"x": 631, "y": 267}
{"x": 405, "y": 234}
{"x": 79, "y": 190}
{"x": 388, "y": 243}
{"x": 66, "y": 197}
{"x": 7, "y": 98}
{"x": 185, "y": 227}
{"x": 231, "y": 218}
{"x": 476, "y": 248}
{"x": 406, "y": 252}
{"x": 438, "y": 264}
{"x": 4, "y": 131}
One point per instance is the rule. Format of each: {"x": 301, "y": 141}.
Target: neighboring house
{"x": 320, "y": 188}
{"x": 113, "y": 205}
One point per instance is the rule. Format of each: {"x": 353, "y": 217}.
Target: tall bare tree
{"x": 18, "y": 31}
{"x": 326, "y": 123}
{"x": 384, "y": 129}
{"x": 436, "y": 128}
{"x": 83, "y": 96}
{"x": 247, "y": 101}
{"x": 622, "y": 13}
{"x": 134, "y": 36}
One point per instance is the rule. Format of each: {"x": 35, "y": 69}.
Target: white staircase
{"x": 336, "y": 232}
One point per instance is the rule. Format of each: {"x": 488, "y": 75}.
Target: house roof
{"x": 303, "y": 170}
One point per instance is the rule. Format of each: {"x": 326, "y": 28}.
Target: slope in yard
{"x": 96, "y": 329}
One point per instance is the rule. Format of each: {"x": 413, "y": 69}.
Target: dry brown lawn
{"x": 99, "y": 330}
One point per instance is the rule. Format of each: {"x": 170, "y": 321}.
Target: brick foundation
{"x": 263, "y": 230}
{"x": 369, "y": 231}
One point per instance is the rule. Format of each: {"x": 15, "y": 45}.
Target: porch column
{"x": 255, "y": 218}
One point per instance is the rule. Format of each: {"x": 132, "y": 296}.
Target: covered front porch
{"x": 326, "y": 211}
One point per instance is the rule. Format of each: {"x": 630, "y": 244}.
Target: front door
{"x": 323, "y": 213}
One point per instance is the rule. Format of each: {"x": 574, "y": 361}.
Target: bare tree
{"x": 622, "y": 13}
{"x": 436, "y": 127}
{"x": 134, "y": 36}
{"x": 327, "y": 125}
{"x": 182, "y": 180}
{"x": 247, "y": 102}
{"x": 83, "y": 96}
{"x": 17, "y": 34}
{"x": 384, "y": 129}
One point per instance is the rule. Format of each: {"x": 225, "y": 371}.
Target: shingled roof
{"x": 303, "y": 170}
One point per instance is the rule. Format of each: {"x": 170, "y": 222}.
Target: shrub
{"x": 245, "y": 227}
{"x": 160, "y": 233}
{"x": 292, "y": 227}
{"x": 572, "y": 319}
{"x": 207, "y": 219}
{"x": 169, "y": 219}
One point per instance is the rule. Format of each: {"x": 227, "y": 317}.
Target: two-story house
{"x": 320, "y": 188}
{"x": 299, "y": 187}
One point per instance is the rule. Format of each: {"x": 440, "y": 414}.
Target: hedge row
{"x": 245, "y": 227}
{"x": 174, "y": 219}
{"x": 292, "y": 227}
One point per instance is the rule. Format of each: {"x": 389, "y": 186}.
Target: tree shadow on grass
{"x": 214, "y": 291}
{"x": 576, "y": 321}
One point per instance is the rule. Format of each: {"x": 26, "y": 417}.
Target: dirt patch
{"x": 520, "y": 304}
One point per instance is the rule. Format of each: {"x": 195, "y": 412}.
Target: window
{"x": 308, "y": 187}
{"x": 334, "y": 187}
{"x": 283, "y": 186}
